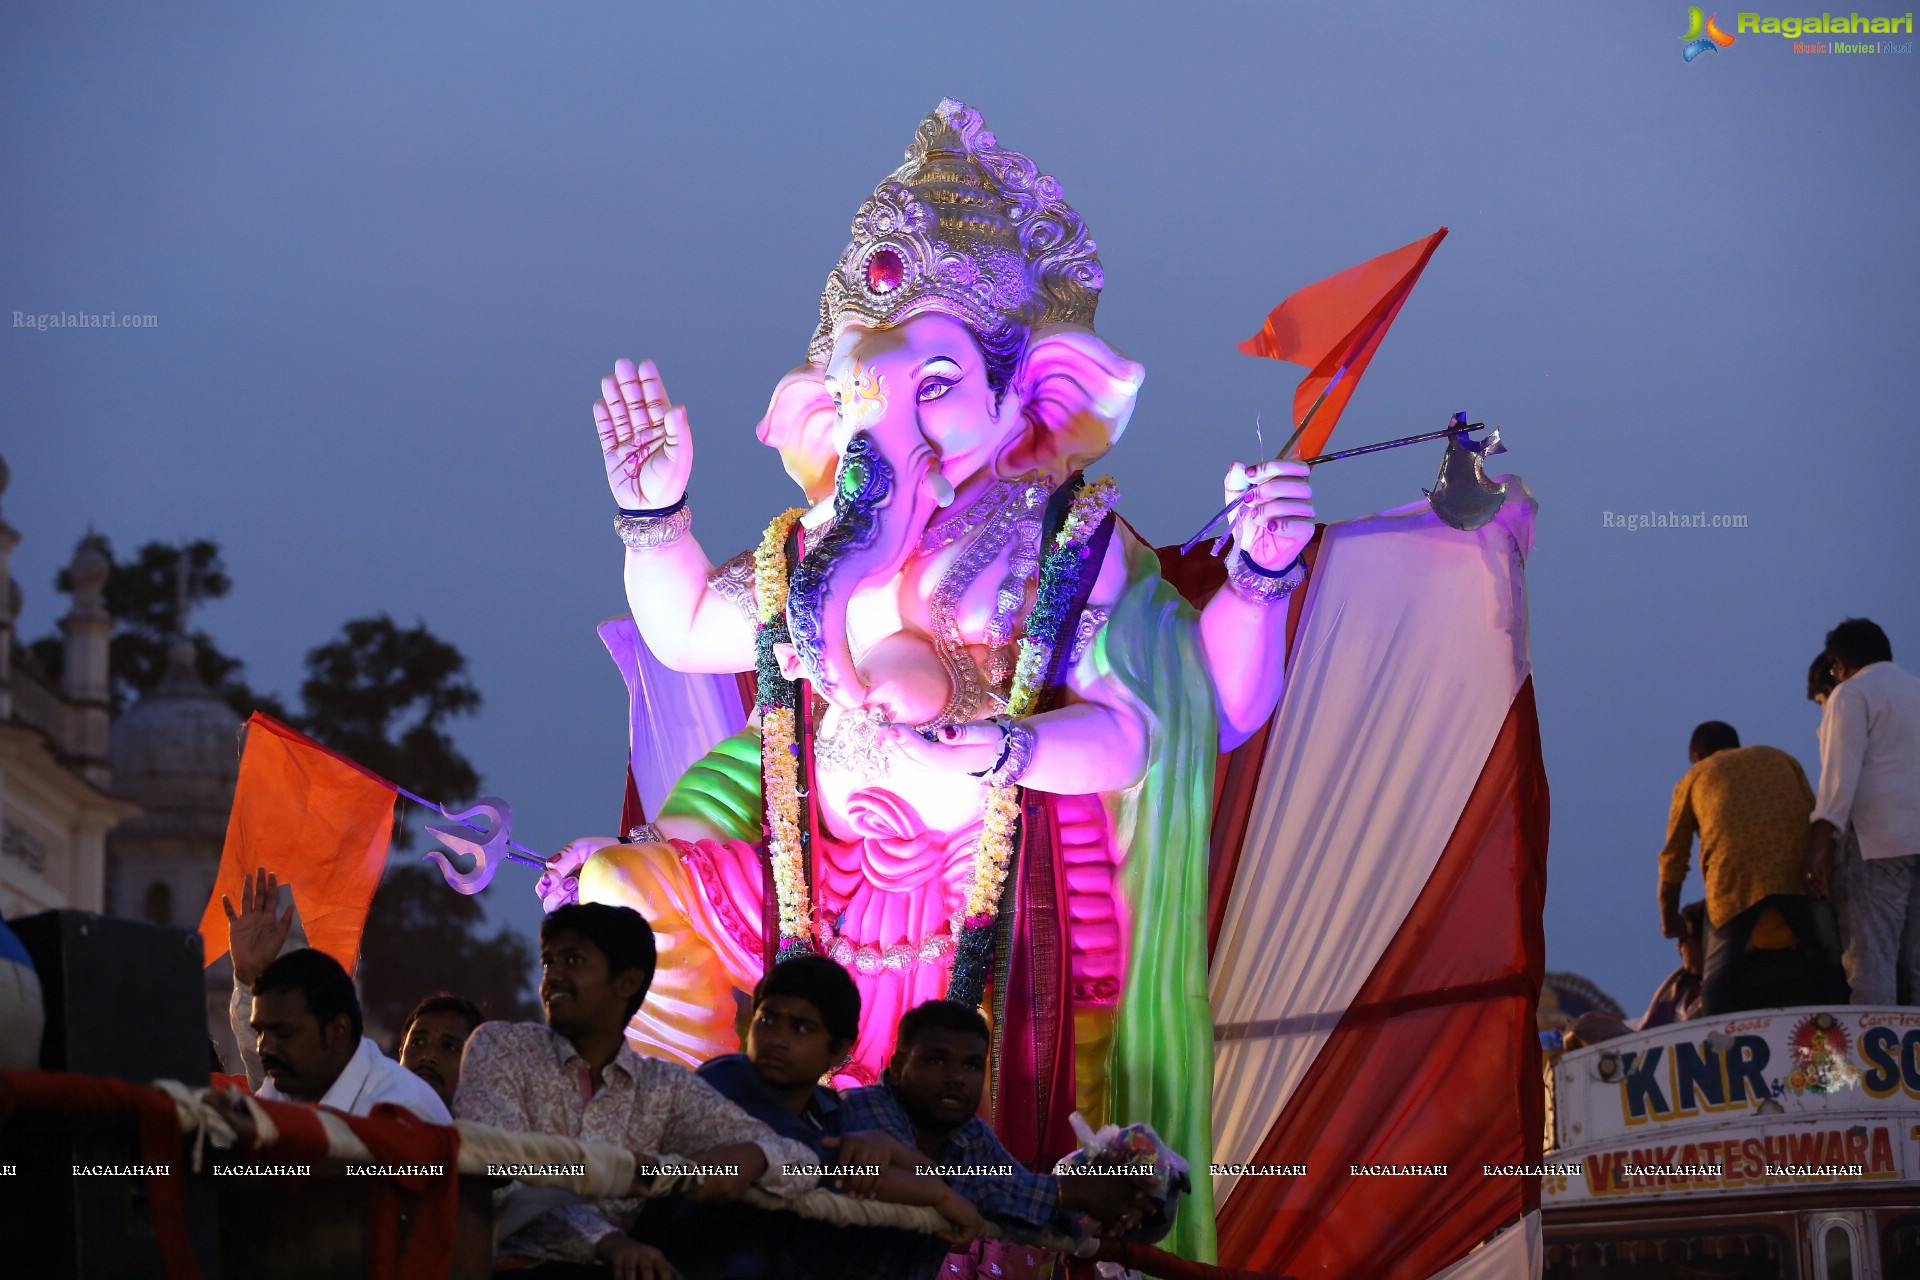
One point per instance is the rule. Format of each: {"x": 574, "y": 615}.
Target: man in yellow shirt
{"x": 1750, "y": 807}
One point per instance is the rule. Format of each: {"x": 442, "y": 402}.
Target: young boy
{"x": 805, "y": 1018}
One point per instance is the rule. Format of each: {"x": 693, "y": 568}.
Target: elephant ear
{"x": 1076, "y": 393}
{"x": 799, "y": 423}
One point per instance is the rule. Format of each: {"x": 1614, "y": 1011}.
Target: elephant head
{"x": 955, "y": 348}
{"x": 910, "y": 414}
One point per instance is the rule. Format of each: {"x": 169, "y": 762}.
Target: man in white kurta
{"x": 1870, "y": 780}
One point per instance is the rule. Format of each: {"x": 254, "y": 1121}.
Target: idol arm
{"x": 1096, "y": 740}
{"x": 1245, "y": 644}
{"x": 1086, "y": 747}
{"x": 689, "y": 625}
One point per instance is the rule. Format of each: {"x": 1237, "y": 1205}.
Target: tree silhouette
{"x": 377, "y": 693}
{"x": 380, "y": 694}
{"x": 147, "y": 597}
{"x": 422, "y": 937}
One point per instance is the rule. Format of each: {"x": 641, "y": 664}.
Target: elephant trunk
{"x": 879, "y": 513}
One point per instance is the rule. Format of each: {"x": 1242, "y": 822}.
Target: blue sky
{"x": 391, "y": 249}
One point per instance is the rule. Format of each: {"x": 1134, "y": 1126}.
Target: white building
{"x": 56, "y": 805}
{"x": 176, "y": 754}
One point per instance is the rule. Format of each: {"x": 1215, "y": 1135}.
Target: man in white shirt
{"x": 307, "y": 1021}
{"x": 1870, "y": 781}
{"x": 297, "y": 1020}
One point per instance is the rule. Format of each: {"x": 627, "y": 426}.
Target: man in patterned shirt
{"x": 579, "y": 1077}
{"x": 1749, "y": 806}
{"x": 927, "y": 1102}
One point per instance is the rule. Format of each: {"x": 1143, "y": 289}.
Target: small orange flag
{"x": 315, "y": 819}
{"x": 1334, "y": 327}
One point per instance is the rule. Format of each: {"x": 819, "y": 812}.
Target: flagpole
{"x": 1452, "y": 428}
{"x": 1312, "y": 409}
{"x": 1449, "y": 429}
{"x": 1389, "y": 307}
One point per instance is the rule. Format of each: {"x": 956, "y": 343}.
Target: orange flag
{"x": 1334, "y": 327}
{"x": 315, "y": 819}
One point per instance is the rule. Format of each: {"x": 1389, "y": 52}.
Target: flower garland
{"x": 779, "y": 753}
{"x": 1059, "y": 584}
{"x": 1066, "y": 559}
{"x": 973, "y": 923}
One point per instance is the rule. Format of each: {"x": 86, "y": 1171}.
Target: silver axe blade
{"x": 1463, "y": 496}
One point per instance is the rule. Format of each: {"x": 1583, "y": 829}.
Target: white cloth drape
{"x": 1409, "y": 654}
{"x": 1513, "y": 1254}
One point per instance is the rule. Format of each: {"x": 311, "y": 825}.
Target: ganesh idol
{"x": 981, "y": 763}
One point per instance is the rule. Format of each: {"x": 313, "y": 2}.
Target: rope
{"x": 609, "y": 1170}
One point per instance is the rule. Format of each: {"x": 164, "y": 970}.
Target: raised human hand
{"x": 644, "y": 439}
{"x": 257, "y": 932}
{"x": 1276, "y": 521}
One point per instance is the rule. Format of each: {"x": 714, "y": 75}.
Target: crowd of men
{"x": 758, "y": 1119}
{"x": 1812, "y": 894}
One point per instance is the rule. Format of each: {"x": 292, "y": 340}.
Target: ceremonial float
{"x": 955, "y": 724}
{"x": 1772, "y": 1143}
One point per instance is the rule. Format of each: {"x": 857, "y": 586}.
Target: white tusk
{"x": 942, "y": 491}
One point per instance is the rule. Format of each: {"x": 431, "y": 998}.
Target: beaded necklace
{"x": 971, "y": 926}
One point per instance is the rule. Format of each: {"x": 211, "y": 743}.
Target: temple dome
{"x": 177, "y": 747}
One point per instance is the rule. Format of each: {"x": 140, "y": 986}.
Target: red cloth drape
{"x": 67, "y": 1093}
{"x": 396, "y": 1136}
{"x": 632, "y": 812}
{"x": 1035, "y": 1094}
{"x": 1435, "y": 1062}
{"x": 393, "y": 1135}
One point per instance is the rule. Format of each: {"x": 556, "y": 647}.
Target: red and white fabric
{"x": 1380, "y": 953}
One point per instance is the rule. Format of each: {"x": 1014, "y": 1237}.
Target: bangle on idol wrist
{"x": 643, "y": 513}
{"x": 1005, "y": 725}
{"x": 1263, "y": 586}
{"x": 1016, "y": 753}
{"x": 649, "y": 530}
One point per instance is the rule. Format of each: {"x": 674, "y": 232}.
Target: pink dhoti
{"x": 882, "y": 895}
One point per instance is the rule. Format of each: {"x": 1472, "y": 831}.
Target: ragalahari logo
{"x": 1703, "y": 35}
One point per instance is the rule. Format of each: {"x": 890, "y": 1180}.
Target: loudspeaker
{"x": 125, "y": 999}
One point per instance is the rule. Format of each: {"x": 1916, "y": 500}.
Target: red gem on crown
{"x": 885, "y": 270}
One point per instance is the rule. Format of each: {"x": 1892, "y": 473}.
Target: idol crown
{"x": 967, "y": 228}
